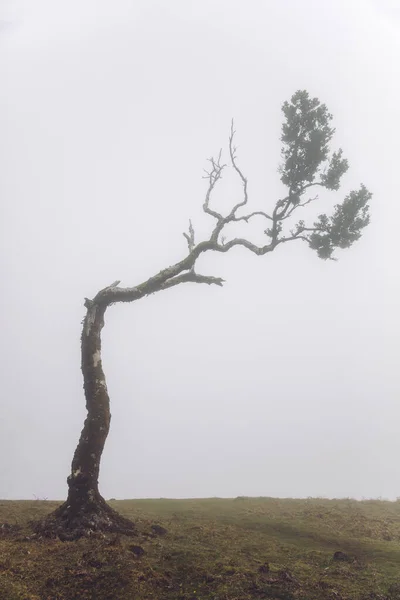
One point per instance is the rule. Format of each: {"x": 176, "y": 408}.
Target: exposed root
{"x": 90, "y": 520}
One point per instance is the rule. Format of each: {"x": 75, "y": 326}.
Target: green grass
{"x": 213, "y": 550}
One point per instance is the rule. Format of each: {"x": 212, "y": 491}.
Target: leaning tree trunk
{"x": 85, "y": 510}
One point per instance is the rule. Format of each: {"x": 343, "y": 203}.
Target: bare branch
{"x": 297, "y": 206}
{"x": 190, "y": 237}
{"x": 232, "y": 153}
{"x": 295, "y": 236}
{"x": 300, "y": 228}
{"x": 183, "y": 271}
{"x": 213, "y": 176}
{"x": 253, "y": 214}
{"x": 222, "y": 221}
{"x": 174, "y": 275}
{"x": 293, "y": 201}
{"x": 192, "y": 277}
{"x": 309, "y": 185}
{"x": 259, "y": 250}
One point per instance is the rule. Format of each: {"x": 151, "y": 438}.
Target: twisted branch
{"x": 183, "y": 271}
{"x": 213, "y": 176}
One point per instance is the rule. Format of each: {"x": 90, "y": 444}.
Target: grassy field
{"x": 211, "y": 549}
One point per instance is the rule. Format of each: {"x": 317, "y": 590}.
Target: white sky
{"x": 283, "y": 382}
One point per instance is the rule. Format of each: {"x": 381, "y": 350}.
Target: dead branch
{"x": 183, "y": 271}
{"x": 251, "y": 215}
{"x": 190, "y": 237}
{"x": 213, "y": 177}
{"x": 232, "y": 153}
{"x": 194, "y": 278}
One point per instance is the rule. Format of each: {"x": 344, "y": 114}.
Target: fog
{"x": 281, "y": 383}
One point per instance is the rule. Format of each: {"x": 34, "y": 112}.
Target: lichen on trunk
{"x": 85, "y": 510}
{"x": 83, "y": 480}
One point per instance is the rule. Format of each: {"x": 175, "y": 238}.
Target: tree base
{"x": 88, "y": 520}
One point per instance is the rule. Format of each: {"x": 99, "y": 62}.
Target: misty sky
{"x": 283, "y": 382}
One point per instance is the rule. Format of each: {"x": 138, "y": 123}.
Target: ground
{"x": 212, "y": 549}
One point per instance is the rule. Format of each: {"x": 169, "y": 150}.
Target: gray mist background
{"x": 283, "y": 382}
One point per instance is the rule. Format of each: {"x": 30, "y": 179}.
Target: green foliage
{"x": 306, "y": 134}
{"x": 307, "y": 162}
{"x": 344, "y": 226}
{"x": 338, "y": 166}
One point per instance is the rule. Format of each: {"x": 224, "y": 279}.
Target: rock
{"x": 264, "y": 568}
{"x": 158, "y": 530}
{"x": 341, "y": 556}
{"x": 66, "y": 537}
{"x": 136, "y": 550}
{"x": 96, "y": 564}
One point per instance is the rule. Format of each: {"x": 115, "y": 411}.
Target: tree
{"x": 307, "y": 163}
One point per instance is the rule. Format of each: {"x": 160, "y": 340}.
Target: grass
{"x": 213, "y": 549}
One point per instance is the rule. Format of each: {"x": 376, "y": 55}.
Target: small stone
{"x": 66, "y": 537}
{"x": 158, "y": 530}
{"x": 341, "y": 556}
{"x": 264, "y": 568}
{"x": 136, "y": 550}
{"x": 96, "y": 564}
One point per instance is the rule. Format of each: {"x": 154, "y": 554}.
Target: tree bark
{"x": 83, "y": 480}
{"x": 85, "y": 511}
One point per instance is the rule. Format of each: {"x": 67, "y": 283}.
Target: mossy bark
{"x": 85, "y": 511}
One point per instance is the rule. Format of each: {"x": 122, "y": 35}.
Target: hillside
{"x": 211, "y": 550}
